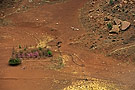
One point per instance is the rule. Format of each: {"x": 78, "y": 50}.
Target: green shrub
{"x": 109, "y": 25}
{"x": 111, "y": 2}
{"x": 49, "y": 53}
{"x": 20, "y": 47}
{"x": 25, "y": 49}
{"x": 14, "y": 61}
{"x": 39, "y": 48}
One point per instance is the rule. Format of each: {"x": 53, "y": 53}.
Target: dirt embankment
{"x": 110, "y": 27}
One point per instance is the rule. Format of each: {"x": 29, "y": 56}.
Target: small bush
{"x": 25, "y": 49}
{"x": 49, "y": 53}
{"x": 14, "y": 61}
{"x": 109, "y": 25}
{"x": 20, "y": 47}
{"x": 39, "y": 48}
{"x": 111, "y": 2}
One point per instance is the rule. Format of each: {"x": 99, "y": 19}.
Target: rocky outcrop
{"x": 125, "y": 25}
{"x": 115, "y": 29}
{"x": 117, "y": 21}
{"x": 119, "y": 25}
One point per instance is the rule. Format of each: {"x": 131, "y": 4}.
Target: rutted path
{"x": 56, "y": 21}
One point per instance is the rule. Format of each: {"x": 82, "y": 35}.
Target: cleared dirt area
{"x": 62, "y": 26}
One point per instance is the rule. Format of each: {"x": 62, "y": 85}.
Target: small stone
{"x": 117, "y": 21}
{"x": 125, "y": 2}
{"x": 113, "y": 40}
{"x": 93, "y": 3}
{"x": 23, "y": 67}
{"x": 106, "y": 19}
{"x": 125, "y": 42}
{"x": 13, "y": 39}
{"x": 18, "y": 9}
{"x": 120, "y": 5}
{"x": 75, "y": 29}
{"x": 115, "y": 29}
{"x": 30, "y": 0}
{"x": 131, "y": 2}
{"x": 125, "y": 25}
{"x": 86, "y": 79}
{"x": 101, "y": 36}
{"x": 91, "y": 10}
{"x": 118, "y": 64}
{"x": 92, "y": 46}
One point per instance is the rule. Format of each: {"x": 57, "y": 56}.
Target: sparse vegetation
{"x": 57, "y": 63}
{"x": 25, "y": 49}
{"x": 14, "y": 61}
{"x": 8, "y": 3}
{"x": 111, "y": 2}
{"x": 39, "y": 48}
{"x": 109, "y": 25}
{"x": 49, "y": 53}
{"x": 4, "y": 22}
{"x": 31, "y": 53}
{"x": 20, "y": 47}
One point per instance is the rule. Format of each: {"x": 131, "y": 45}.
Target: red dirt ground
{"x": 42, "y": 20}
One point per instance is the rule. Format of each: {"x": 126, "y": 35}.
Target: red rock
{"x": 125, "y": 25}
{"x": 115, "y": 29}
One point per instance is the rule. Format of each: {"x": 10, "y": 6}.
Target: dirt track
{"x": 55, "y": 20}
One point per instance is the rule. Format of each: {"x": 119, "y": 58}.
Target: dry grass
{"x": 93, "y": 84}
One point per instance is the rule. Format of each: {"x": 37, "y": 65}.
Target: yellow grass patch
{"x": 93, "y": 84}
{"x": 43, "y": 42}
